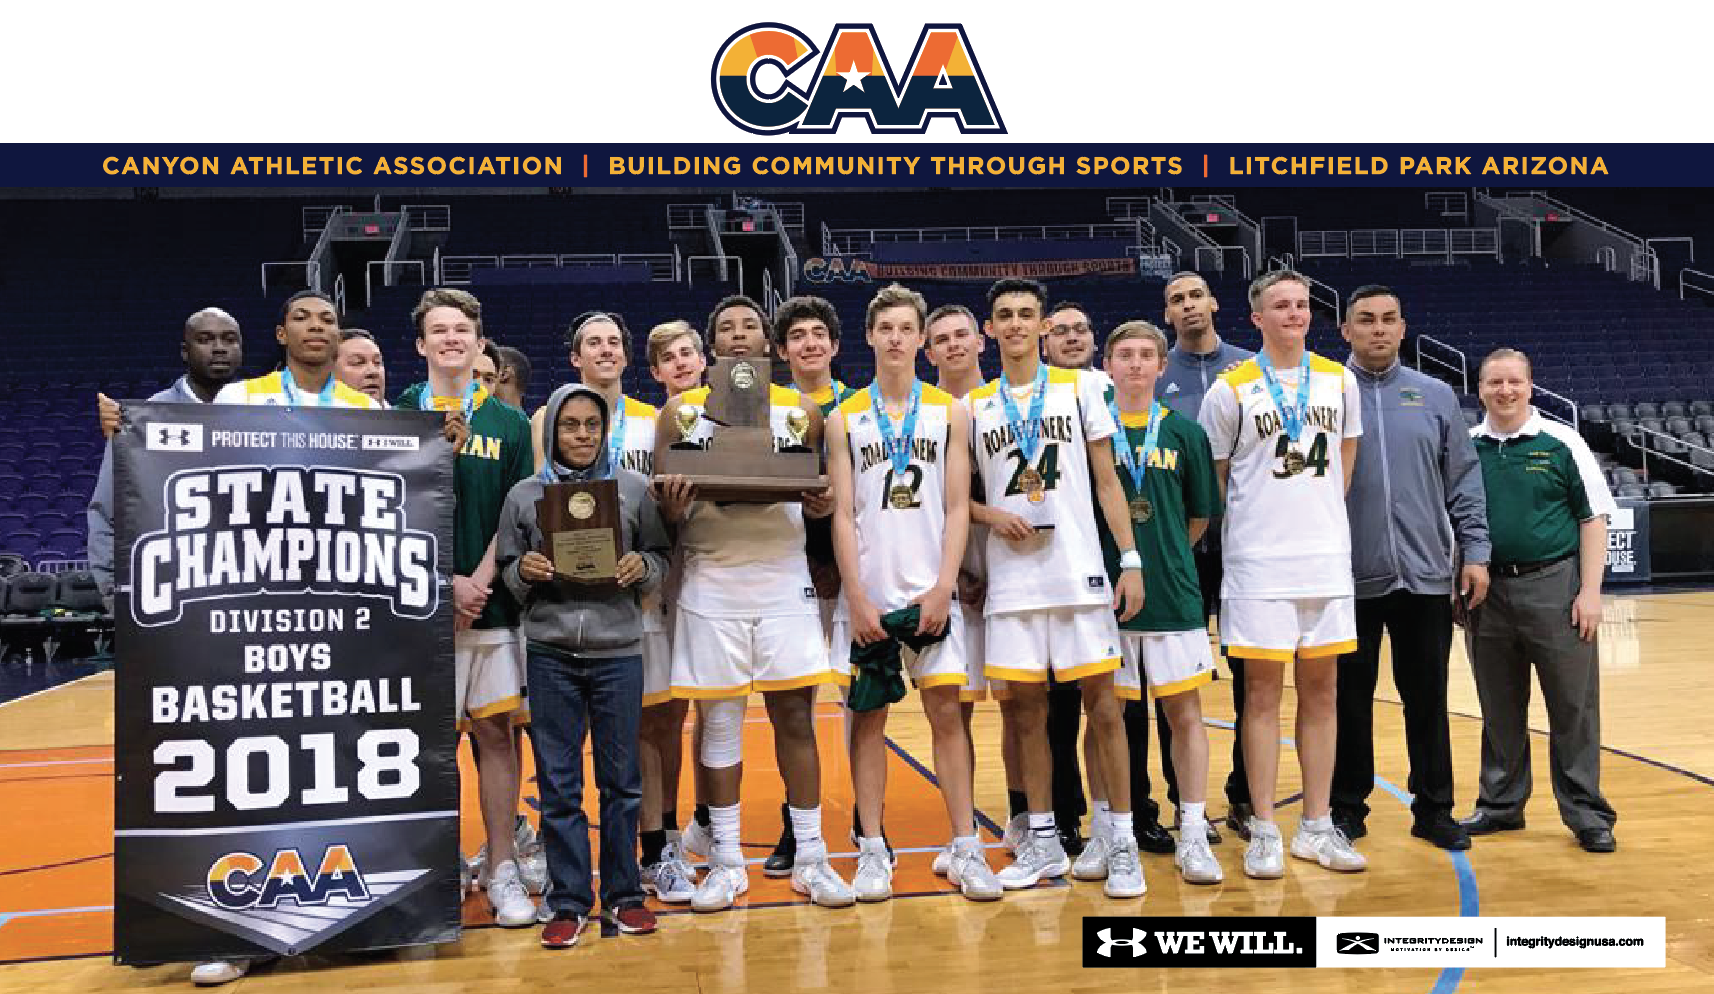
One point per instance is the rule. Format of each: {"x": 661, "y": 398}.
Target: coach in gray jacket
{"x": 1415, "y": 490}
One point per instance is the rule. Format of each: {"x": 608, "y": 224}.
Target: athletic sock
{"x": 806, "y": 827}
{"x": 1099, "y": 819}
{"x": 1042, "y": 824}
{"x": 1192, "y": 814}
{"x": 1119, "y": 822}
{"x": 724, "y": 824}
{"x": 1322, "y": 824}
{"x": 653, "y": 843}
{"x": 966, "y": 843}
{"x": 1019, "y": 802}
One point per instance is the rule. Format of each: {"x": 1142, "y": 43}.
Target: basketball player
{"x": 955, "y": 344}
{"x": 748, "y": 621}
{"x": 360, "y": 365}
{"x": 898, "y": 456}
{"x": 1070, "y": 339}
{"x": 1197, "y": 359}
{"x": 1284, "y": 429}
{"x": 514, "y": 379}
{"x": 212, "y": 349}
{"x": 488, "y": 651}
{"x": 675, "y": 356}
{"x": 487, "y": 368}
{"x": 309, "y": 332}
{"x": 1043, "y": 452}
{"x": 1168, "y": 475}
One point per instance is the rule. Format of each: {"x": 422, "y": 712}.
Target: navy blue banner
{"x": 786, "y": 163}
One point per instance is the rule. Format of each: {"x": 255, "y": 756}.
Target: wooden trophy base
{"x": 746, "y": 478}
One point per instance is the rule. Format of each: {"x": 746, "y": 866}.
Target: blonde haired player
{"x": 898, "y": 457}
{"x": 1164, "y": 464}
{"x": 1041, "y": 438}
{"x": 1284, "y": 428}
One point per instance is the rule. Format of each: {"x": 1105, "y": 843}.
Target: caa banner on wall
{"x": 284, "y": 735}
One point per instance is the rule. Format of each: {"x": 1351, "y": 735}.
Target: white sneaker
{"x": 220, "y": 971}
{"x": 1264, "y": 857}
{"x": 970, "y": 873}
{"x": 506, "y": 895}
{"x": 697, "y": 839}
{"x": 1328, "y": 847}
{"x": 1036, "y": 858}
{"x": 1091, "y": 864}
{"x": 823, "y": 886}
{"x": 1016, "y": 830}
{"x": 1195, "y": 859}
{"x": 1124, "y": 871}
{"x": 874, "y": 879}
{"x": 722, "y": 886}
{"x": 670, "y": 880}
{"x": 942, "y": 861}
{"x": 532, "y": 857}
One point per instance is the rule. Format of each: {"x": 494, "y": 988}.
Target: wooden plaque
{"x": 581, "y": 532}
{"x": 738, "y": 462}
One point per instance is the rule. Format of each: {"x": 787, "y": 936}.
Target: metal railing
{"x": 316, "y": 217}
{"x": 791, "y": 215}
{"x": 1220, "y": 253}
{"x": 1398, "y": 243}
{"x": 690, "y": 267}
{"x": 768, "y": 293}
{"x": 1686, "y": 239}
{"x": 1569, "y": 404}
{"x": 1644, "y": 264}
{"x": 1321, "y": 293}
{"x": 1451, "y": 358}
{"x": 389, "y": 275}
{"x": 1684, "y": 283}
{"x": 427, "y": 217}
{"x": 686, "y": 217}
{"x": 339, "y": 293}
{"x": 1453, "y": 203}
{"x": 1636, "y": 434}
{"x": 454, "y": 270}
{"x": 828, "y": 247}
{"x": 309, "y": 267}
{"x": 847, "y": 240}
{"x": 1128, "y": 208}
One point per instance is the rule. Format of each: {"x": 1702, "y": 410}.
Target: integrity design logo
{"x": 853, "y": 79}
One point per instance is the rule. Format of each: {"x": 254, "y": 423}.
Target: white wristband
{"x": 1131, "y": 560}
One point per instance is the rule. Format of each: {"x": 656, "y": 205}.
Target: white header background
{"x": 318, "y": 72}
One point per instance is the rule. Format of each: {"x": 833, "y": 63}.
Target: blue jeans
{"x": 568, "y": 696}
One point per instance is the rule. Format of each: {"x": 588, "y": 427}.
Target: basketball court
{"x": 56, "y": 789}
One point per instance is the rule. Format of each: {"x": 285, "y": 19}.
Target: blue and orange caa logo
{"x": 242, "y": 880}
{"x": 853, "y": 79}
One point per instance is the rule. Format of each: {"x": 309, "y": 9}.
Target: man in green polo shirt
{"x": 488, "y": 653}
{"x": 1547, "y": 516}
{"x": 1165, "y": 466}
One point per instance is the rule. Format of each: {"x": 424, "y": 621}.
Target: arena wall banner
{"x": 284, "y": 736}
{"x": 1045, "y": 269}
{"x": 1628, "y": 543}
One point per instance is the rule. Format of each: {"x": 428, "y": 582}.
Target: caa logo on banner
{"x": 236, "y": 880}
{"x": 853, "y": 79}
{"x": 163, "y": 437}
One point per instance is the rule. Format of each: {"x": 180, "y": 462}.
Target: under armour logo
{"x": 1134, "y": 943}
{"x": 169, "y": 437}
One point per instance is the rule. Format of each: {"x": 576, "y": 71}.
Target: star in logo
{"x": 853, "y": 78}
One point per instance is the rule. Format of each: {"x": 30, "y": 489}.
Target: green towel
{"x": 879, "y": 679}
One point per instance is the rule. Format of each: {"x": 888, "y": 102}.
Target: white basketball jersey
{"x": 1285, "y": 533}
{"x": 899, "y": 547}
{"x": 637, "y": 447}
{"x": 1060, "y": 566}
{"x": 745, "y": 560}
{"x": 270, "y": 388}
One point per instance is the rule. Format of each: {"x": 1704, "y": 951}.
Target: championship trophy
{"x": 727, "y": 448}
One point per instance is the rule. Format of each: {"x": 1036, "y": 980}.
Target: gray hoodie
{"x": 1415, "y": 485}
{"x": 562, "y": 617}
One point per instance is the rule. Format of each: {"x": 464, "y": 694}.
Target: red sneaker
{"x": 632, "y": 919}
{"x": 564, "y": 930}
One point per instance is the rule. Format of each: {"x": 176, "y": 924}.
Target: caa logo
{"x": 836, "y": 270}
{"x": 236, "y": 880}
{"x": 853, "y": 79}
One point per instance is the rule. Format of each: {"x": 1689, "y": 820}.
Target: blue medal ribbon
{"x": 616, "y": 432}
{"x": 426, "y": 400}
{"x": 1291, "y": 419}
{"x": 289, "y": 387}
{"x": 1137, "y": 467}
{"x": 1027, "y": 432}
{"x": 898, "y": 448}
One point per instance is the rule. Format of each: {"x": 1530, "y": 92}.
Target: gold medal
{"x": 1294, "y": 462}
{"x": 1032, "y": 484}
{"x": 581, "y": 505}
{"x": 1141, "y": 510}
{"x": 900, "y": 497}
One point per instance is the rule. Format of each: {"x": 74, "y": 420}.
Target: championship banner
{"x": 283, "y": 713}
{"x": 1045, "y": 269}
